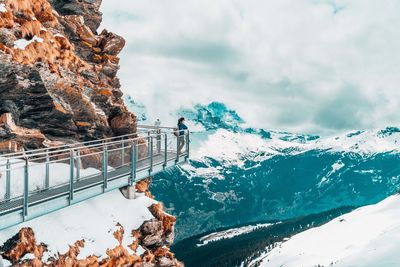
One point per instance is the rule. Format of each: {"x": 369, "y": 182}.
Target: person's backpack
{"x": 176, "y": 132}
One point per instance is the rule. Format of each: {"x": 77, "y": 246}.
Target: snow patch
{"x": 335, "y": 167}
{"x": 3, "y": 8}
{"x": 140, "y": 250}
{"x": 22, "y": 43}
{"x": 230, "y": 233}
{"x": 208, "y": 173}
{"x": 29, "y": 256}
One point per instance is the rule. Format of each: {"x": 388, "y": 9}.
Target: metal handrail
{"x": 141, "y": 128}
{"x": 157, "y": 127}
{"x": 66, "y": 148}
{"x": 66, "y": 153}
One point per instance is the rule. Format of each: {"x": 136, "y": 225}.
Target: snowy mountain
{"x": 238, "y": 174}
{"x": 368, "y": 237}
{"x": 137, "y": 108}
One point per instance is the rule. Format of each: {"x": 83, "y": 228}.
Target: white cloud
{"x": 281, "y": 64}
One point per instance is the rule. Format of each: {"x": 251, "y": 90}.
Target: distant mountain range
{"x": 238, "y": 174}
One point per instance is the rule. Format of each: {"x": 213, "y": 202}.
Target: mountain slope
{"x": 368, "y": 237}
{"x": 239, "y": 177}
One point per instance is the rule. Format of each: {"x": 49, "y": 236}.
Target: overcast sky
{"x": 315, "y": 66}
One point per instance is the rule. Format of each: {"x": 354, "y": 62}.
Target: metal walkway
{"x": 38, "y": 182}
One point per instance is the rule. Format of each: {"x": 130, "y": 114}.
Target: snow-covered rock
{"x": 94, "y": 221}
{"x": 367, "y": 237}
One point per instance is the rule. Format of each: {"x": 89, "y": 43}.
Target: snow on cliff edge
{"x": 367, "y": 237}
{"x": 93, "y": 220}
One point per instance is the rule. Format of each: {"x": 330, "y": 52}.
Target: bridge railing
{"x": 23, "y": 175}
{"x": 141, "y": 129}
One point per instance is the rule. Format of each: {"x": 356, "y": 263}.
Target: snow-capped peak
{"x": 232, "y": 147}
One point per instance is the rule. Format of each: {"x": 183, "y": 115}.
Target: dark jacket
{"x": 182, "y": 127}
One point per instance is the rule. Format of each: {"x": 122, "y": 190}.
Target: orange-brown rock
{"x": 119, "y": 256}
{"x": 22, "y": 136}
{"x": 21, "y": 244}
{"x": 119, "y": 233}
{"x": 89, "y": 9}
{"x": 24, "y": 242}
{"x": 123, "y": 123}
{"x": 167, "y": 219}
{"x": 143, "y": 186}
{"x": 149, "y": 258}
{"x": 164, "y": 257}
{"x": 111, "y": 43}
{"x": 82, "y": 124}
{"x": 9, "y": 147}
{"x": 50, "y": 79}
{"x": 76, "y": 24}
{"x": 136, "y": 234}
{"x": 91, "y": 158}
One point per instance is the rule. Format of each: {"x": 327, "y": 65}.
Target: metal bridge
{"x": 37, "y": 182}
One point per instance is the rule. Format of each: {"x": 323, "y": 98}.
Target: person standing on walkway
{"x": 182, "y": 128}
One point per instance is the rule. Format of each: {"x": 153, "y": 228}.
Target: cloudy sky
{"x": 315, "y": 66}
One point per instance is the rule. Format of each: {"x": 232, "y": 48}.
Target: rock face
{"x": 57, "y": 75}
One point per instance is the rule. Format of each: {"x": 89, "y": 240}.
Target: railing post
{"x": 133, "y": 164}
{"x": 47, "y": 175}
{"x": 157, "y": 124}
{"x": 151, "y": 155}
{"x": 187, "y": 145}
{"x": 165, "y": 150}
{"x": 158, "y": 140}
{"x": 105, "y": 168}
{"x": 123, "y": 154}
{"x": 8, "y": 180}
{"x": 148, "y": 143}
{"x": 71, "y": 176}
{"x": 26, "y": 189}
{"x": 78, "y": 164}
{"x": 177, "y": 146}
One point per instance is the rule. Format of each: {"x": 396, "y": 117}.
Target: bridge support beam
{"x": 129, "y": 192}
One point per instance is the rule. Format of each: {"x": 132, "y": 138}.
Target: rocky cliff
{"x": 58, "y": 75}
{"x": 58, "y": 85}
